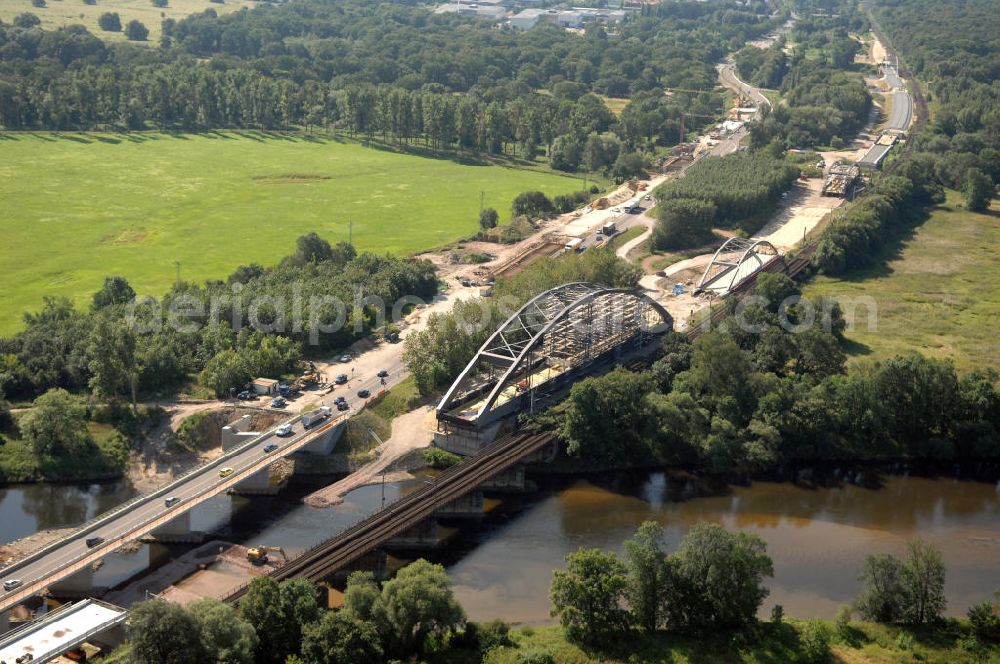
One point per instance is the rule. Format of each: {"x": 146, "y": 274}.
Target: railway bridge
{"x": 555, "y": 339}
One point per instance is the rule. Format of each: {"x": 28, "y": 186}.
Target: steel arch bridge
{"x": 549, "y": 342}
{"x": 733, "y": 262}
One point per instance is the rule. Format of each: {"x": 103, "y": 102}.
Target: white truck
{"x": 574, "y": 244}
{"x": 314, "y": 416}
{"x": 633, "y": 206}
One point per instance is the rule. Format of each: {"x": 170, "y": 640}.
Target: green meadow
{"x": 78, "y": 207}
{"x": 938, "y": 292}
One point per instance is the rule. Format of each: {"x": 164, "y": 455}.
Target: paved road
{"x": 902, "y": 111}
{"x": 728, "y": 77}
{"x": 37, "y": 571}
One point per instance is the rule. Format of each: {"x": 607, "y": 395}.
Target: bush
{"x": 535, "y": 657}
{"x": 136, "y": 31}
{"x": 493, "y": 634}
{"x": 110, "y": 22}
{"x": 985, "y": 622}
{"x": 843, "y": 623}
{"x": 26, "y": 20}
{"x": 38, "y": 3}
{"x": 532, "y": 204}
{"x": 440, "y": 459}
{"x": 488, "y": 219}
{"x": 815, "y": 642}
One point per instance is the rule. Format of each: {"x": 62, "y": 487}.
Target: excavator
{"x": 258, "y": 554}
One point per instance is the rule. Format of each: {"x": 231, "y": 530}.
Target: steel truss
{"x": 558, "y": 331}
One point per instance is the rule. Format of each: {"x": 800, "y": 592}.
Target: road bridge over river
{"x": 66, "y": 565}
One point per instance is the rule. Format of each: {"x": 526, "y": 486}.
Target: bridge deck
{"x": 63, "y": 630}
{"x": 724, "y": 282}
{"x": 340, "y": 551}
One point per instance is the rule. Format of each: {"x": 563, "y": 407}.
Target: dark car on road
{"x": 364, "y": 394}
{"x": 94, "y": 541}
{"x": 383, "y": 374}
{"x": 340, "y": 379}
{"x": 171, "y": 501}
{"x": 343, "y": 405}
{"x": 278, "y": 403}
{"x": 270, "y": 448}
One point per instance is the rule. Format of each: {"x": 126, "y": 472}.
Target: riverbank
{"x": 785, "y": 642}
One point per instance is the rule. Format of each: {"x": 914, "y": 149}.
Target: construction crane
{"x": 258, "y": 554}
{"x": 685, "y": 115}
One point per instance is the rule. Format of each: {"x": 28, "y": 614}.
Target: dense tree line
{"x": 953, "y": 49}
{"x": 734, "y": 191}
{"x": 764, "y": 392}
{"x": 763, "y": 67}
{"x": 257, "y": 323}
{"x": 852, "y": 239}
{"x": 382, "y": 69}
{"x": 712, "y": 583}
{"x": 824, "y": 100}
{"x": 282, "y": 623}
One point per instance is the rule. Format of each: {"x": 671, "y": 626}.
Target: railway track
{"x": 367, "y": 535}
{"x": 338, "y": 552}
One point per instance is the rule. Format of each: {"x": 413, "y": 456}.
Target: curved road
{"x": 728, "y": 77}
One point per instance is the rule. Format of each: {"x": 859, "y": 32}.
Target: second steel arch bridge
{"x": 733, "y": 262}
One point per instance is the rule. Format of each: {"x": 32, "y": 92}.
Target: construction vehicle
{"x": 258, "y": 554}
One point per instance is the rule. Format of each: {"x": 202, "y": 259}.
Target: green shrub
{"x": 440, "y": 459}
{"x": 815, "y": 642}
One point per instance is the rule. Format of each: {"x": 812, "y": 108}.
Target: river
{"x": 817, "y": 531}
{"x": 817, "y": 535}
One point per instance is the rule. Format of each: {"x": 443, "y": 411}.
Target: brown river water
{"x": 817, "y": 536}
{"x": 818, "y": 530}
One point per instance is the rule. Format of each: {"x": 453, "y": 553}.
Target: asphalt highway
{"x": 71, "y": 554}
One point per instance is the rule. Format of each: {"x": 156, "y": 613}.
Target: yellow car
{"x": 226, "y": 472}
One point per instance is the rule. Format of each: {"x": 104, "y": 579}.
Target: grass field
{"x": 938, "y": 294}
{"x": 867, "y": 643}
{"x": 58, "y": 13}
{"x": 80, "y": 207}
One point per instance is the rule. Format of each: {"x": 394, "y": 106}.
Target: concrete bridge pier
{"x": 4, "y": 621}
{"x": 423, "y": 535}
{"x": 467, "y": 442}
{"x": 77, "y": 584}
{"x": 177, "y": 529}
{"x": 259, "y": 484}
{"x": 469, "y": 506}
{"x": 511, "y": 480}
{"x": 326, "y": 443}
{"x": 376, "y": 562}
